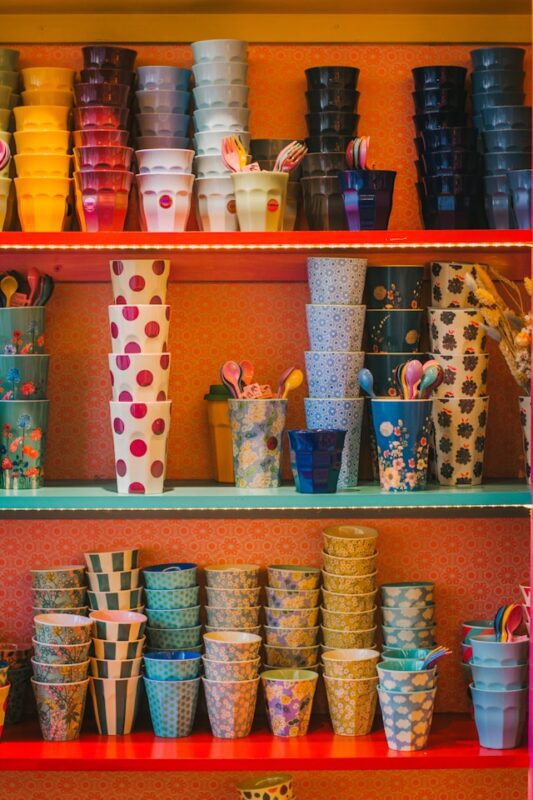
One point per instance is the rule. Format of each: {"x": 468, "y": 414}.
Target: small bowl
{"x": 350, "y": 663}
{"x": 172, "y": 665}
{"x": 62, "y": 629}
{"x": 172, "y": 598}
{"x": 349, "y": 640}
{"x": 232, "y": 576}
{"x": 61, "y": 653}
{"x": 232, "y": 598}
{"x": 332, "y": 123}
{"x": 173, "y": 617}
{"x": 231, "y": 646}
{"x": 407, "y": 676}
{"x": 107, "y": 57}
{"x": 507, "y": 141}
{"x": 492, "y": 99}
{"x": 439, "y": 100}
{"x": 292, "y": 598}
{"x": 107, "y": 75}
{"x": 231, "y": 670}
{"x": 59, "y": 598}
{"x": 170, "y": 576}
{"x": 47, "y": 97}
{"x": 291, "y": 637}
{"x": 437, "y": 77}
{"x": 47, "y": 78}
{"x": 293, "y": 577}
{"x": 118, "y": 626}
{"x": 303, "y": 657}
{"x": 113, "y": 561}
{"x": 350, "y": 603}
{"x": 349, "y": 584}
{"x": 408, "y": 594}
{"x": 100, "y": 137}
{"x": 349, "y": 566}
{"x": 55, "y": 143}
{"x": 350, "y": 621}
{"x": 255, "y": 629}
{"x": 118, "y": 651}
{"x": 409, "y": 637}
{"x": 484, "y": 58}
{"x": 507, "y": 118}
{"x": 40, "y": 118}
{"x": 243, "y": 617}
{"x": 101, "y": 94}
{"x": 331, "y": 78}
{"x": 339, "y": 100}
{"x": 412, "y": 617}
{"x": 500, "y": 163}
{"x": 431, "y": 120}
{"x": 174, "y": 638}
{"x": 292, "y": 617}
{"x": 116, "y": 601}
{"x": 60, "y": 673}
{"x": 350, "y": 541}
{"x": 497, "y": 80}
{"x": 114, "y": 581}
{"x": 112, "y": 668}
{"x": 98, "y": 117}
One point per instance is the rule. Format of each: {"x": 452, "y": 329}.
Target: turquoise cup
{"x": 23, "y": 377}
{"x": 500, "y": 717}
{"x": 172, "y": 665}
{"x": 22, "y": 330}
{"x": 23, "y": 425}
{"x": 172, "y": 706}
{"x": 402, "y": 429}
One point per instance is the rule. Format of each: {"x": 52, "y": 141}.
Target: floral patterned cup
{"x": 289, "y": 696}
{"x": 525, "y": 422}
{"x": 61, "y": 653}
{"x": 350, "y": 541}
{"x": 58, "y": 577}
{"x": 348, "y": 620}
{"x": 139, "y": 328}
{"x": 23, "y": 377}
{"x": 349, "y": 640}
{"x": 402, "y": 429}
{"x": 140, "y": 438}
{"x": 231, "y": 646}
{"x": 23, "y": 425}
{"x": 232, "y": 576}
{"x": 22, "y": 330}
{"x": 62, "y": 629}
{"x": 60, "y": 673}
{"x": 291, "y": 617}
{"x": 336, "y": 565}
{"x": 448, "y": 286}
{"x": 456, "y": 331}
{"x": 139, "y": 376}
{"x": 232, "y": 598}
{"x": 339, "y": 601}
{"x": 60, "y": 707}
{"x": 464, "y": 376}
{"x": 231, "y": 707}
{"x": 352, "y": 713}
{"x": 293, "y": 577}
{"x": 59, "y": 598}
{"x": 246, "y": 616}
{"x": 460, "y": 425}
{"x": 257, "y": 434}
{"x": 139, "y": 281}
{"x": 296, "y": 657}
{"x": 336, "y": 280}
{"x": 292, "y": 598}
{"x": 394, "y": 286}
{"x": 350, "y": 663}
{"x": 231, "y": 670}
{"x": 394, "y": 330}
{"x": 291, "y": 637}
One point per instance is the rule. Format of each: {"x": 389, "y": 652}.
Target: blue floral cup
{"x": 316, "y": 459}
{"x": 257, "y": 435}
{"x": 23, "y": 425}
{"x": 402, "y": 430}
{"x": 22, "y": 330}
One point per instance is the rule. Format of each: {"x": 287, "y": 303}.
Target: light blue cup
{"x": 499, "y": 678}
{"x": 172, "y": 598}
{"x": 170, "y": 576}
{"x": 340, "y": 414}
{"x": 172, "y": 706}
{"x": 500, "y": 717}
{"x": 407, "y": 718}
{"x": 173, "y": 617}
{"x": 409, "y": 593}
{"x": 335, "y": 327}
{"x": 409, "y": 637}
{"x": 174, "y": 638}
{"x": 408, "y": 617}
{"x": 490, "y": 653}
{"x": 333, "y": 374}
{"x": 169, "y": 79}
{"x": 339, "y": 281}
{"x": 172, "y": 665}
{"x": 405, "y": 676}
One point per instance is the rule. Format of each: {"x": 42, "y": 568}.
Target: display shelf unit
{"x": 454, "y": 745}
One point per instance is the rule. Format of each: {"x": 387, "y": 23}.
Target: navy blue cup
{"x": 438, "y": 77}
{"x": 498, "y": 58}
{"x": 520, "y": 185}
{"x": 367, "y": 195}
{"x": 449, "y": 139}
{"x": 498, "y": 202}
{"x": 316, "y": 457}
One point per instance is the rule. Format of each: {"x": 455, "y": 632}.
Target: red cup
{"x": 101, "y": 94}
{"x": 107, "y": 75}
{"x": 90, "y": 117}
{"x": 98, "y": 158}
{"x": 102, "y": 199}
{"x": 101, "y": 137}
{"x": 114, "y": 57}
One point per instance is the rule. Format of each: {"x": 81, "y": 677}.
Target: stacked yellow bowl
{"x": 9, "y": 83}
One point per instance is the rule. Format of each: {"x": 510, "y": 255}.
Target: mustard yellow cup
{"x": 44, "y": 204}
{"x": 43, "y": 165}
{"x": 40, "y": 118}
{"x": 42, "y": 142}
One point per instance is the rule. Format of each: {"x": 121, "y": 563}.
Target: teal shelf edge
{"x": 214, "y": 498}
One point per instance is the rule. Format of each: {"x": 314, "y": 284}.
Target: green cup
{"x": 22, "y": 330}
{"x": 23, "y": 425}
{"x": 23, "y": 377}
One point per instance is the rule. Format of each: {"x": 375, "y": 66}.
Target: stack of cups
{"x": 23, "y": 404}
{"x": 348, "y": 616}
{"x": 60, "y": 667}
{"x": 499, "y": 690}
{"x": 164, "y": 157}
{"x": 265, "y": 152}
{"x": 17, "y": 657}
{"x": 408, "y": 615}
{"x": 221, "y": 100}
{"x": 61, "y": 589}
{"x": 292, "y": 630}
{"x": 233, "y": 598}
{"x": 9, "y": 85}
{"x": 351, "y": 686}
{"x": 140, "y": 368}
{"x": 43, "y": 185}
{"x": 335, "y": 321}
{"x": 114, "y": 581}
{"x": 275, "y": 787}
{"x": 231, "y": 682}
{"x": 460, "y": 408}
{"x": 172, "y": 682}
{"x": 176, "y": 581}
{"x": 469, "y": 629}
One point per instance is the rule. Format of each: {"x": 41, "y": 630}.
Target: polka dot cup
{"x": 139, "y": 281}
{"x": 139, "y": 376}
{"x": 139, "y": 328}
{"x": 140, "y": 435}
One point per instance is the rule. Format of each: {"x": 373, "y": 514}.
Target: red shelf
{"x": 453, "y": 745}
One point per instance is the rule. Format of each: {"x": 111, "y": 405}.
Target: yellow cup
{"x": 48, "y": 97}
{"x": 43, "y": 203}
{"x": 47, "y": 141}
{"x": 41, "y": 118}
{"x": 260, "y": 198}
{"x": 220, "y": 439}
{"x": 47, "y": 78}
{"x": 43, "y": 165}
{"x": 5, "y": 189}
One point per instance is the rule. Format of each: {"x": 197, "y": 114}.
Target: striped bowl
{"x": 118, "y": 626}
{"x": 116, "y": 703}
{"x": 112, "y": 668}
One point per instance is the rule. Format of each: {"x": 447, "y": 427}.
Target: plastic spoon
{"x": 511, "y": 621}
{"x": 34, "y": 278}
{"x": 8, "y": 286}
{"x": 247, "y": 372}
{"x": 412, "y": 375}
{"x": 366, "y": 382}
{"x": 498, "y": 631}
{"x": 283, "y": 378}
{"x": 230, "y": 374}
{"x": 294, "y": 381}
{"x": 431, "y": 378}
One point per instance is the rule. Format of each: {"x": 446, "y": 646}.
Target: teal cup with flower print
{"x": 257, "y": 434}
{"x": 22, "y": 330}
{"x": 23, "y": 425}
{"x": 402, "y": 430}
{"x": 394, "y": 286}
{"x": 172, "y": 706}
{"x": 23, "y": 377}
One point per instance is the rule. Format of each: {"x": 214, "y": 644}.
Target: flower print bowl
{"x": 231, "y": 707}
{"x": 291, "y": 637}
{"x": 348, "y": 603}
{"x": 112, "y": 668}
{"x": 173, "y": 617}
{"x": 255, "y": 629}
{"x": 232, "y": 576}
{"x": 349, "y": 640}
{"x": 292, "y": 598}
{"x": 464, "y": 376}
{"x": 81, "y": 611}
{"x": 118, "y": 626}
{"x": 232, "y": 598}
{"x": 350, "y": 663}
{"x": 289, "y": 696}
{"x": 291, "y": 617}
{"x": 407, "y": 676}
{"x": 336, "y": 281}
{"x": 407, "y": 718}
{"x": 231, "y": 645}
{"x": 335, "y": 327}
{"x": 174, "y": 638}
{"x": 172, "y": 665}
{"x": 412, "y": 617}
{"x": 349, "y": 566}
{"x": 170, "y": 576}
{"x": 60, "y": 673}
{"x": 488, "y": 652}
{"x": 114, "y": 581}
{"x": 348, "y": 620}
{"x": 297, "y": 657}
{"x": 113, "y": 561}
{"x": 350, "y": 541}
{"x": 293, "y": 577}
{"x": 118, "y": 651}
{"x": 172, "y": 598}
{"x": 409, "y": 637}
{"x": 246, "y": 616}
{"x": 231, "y": 670}
{"x": 407, "y": 594}
{"x": 116, "y": 601}
{"x": 59, "y": 598}
{"x": 349, "y": 584}
{"x": 456, "y": 331}
{"x": 61, "y": 653}
{"x": 62, "y": 629}
{"x": 58, "y": 577}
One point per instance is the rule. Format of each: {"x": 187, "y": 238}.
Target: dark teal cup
{"x": 22, "y": 330}
{"x": 393, "y": 330}
{"x": 394, "y": 286}
{"x": 23, "y": 377}
{"x": 23, "y": 425}
{"x": 402, "y": 429}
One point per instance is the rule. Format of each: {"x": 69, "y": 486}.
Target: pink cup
{"x": 100, "y": 137}
{"x": 87, "y": 117}
{"x": 139, "y": 376}
{"x": 139, "y": 328}
{"x": 108, "y": 158}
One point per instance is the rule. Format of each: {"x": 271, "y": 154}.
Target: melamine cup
{"x": 333, "y": 373}
{"x": 10, "y": 77}
{"x": 394, "y": 286}
{"x": 169, "y": 79}
{"x": 101, "y": 94}
{"x": 23, "y": 376}
{"x": 118, "y": 626}
{"x": 231, "y": 95}
{"x": 340, "y": 414}
{"x": 215, "y": 50}
{"x": 44, "y": 204}
{"x": 407, "y": 718}
{"x": 60, "y": 707}
{"x": 316, "y": 459}
{"x": 367, "y": 197}
{"x": 209, "y": 143}
{"x": 488, "y": 652}
{"x": 338, "y": 281}
{"x": 232, "y": 576}
{"x": 97, "y": 117}
{"x": 23, "y": 426}
{"x": 48, "y": 78}
{"x": 497, "y": 199}
{"x": 139, "y": 328}
{"x": 106, "y": 57}
{"x": 140, "y": 439}
{"x": 35, "y": 166}
{"x": 94, "y": 157}
{"x": 41, "y": 118}
{"x": 488, "y": 58}
{"x": 464, "y": 376}
{"x": 210, "y": 167}
{"x": 172, "y": 665}
{"x": 215, "y": 203}
{"x": 164, "y": 200}
{"x": 172, "y": 706}
{"x": 115, "y": 668}
{"x": 116, "y": 703}
{"x": 139, "y": 281}
{"x": 499, "y": 678}
{"x": 126, "y": 600}
{"x": 335, "y": 327}
{"x": 449, "y": 289}
{"x": 289, "y": 697}
{"x": 231, "y": 707}
{"x": 394, "y": 330}
{"x": 165, "y": 160}
{"x": 214, "y": 73}
{"x": 114, "y": 581}
{"x": 163, "y": 124}
{"x": 520, "y": 185}
{"x": 139, "y": 376}
{"x": 456, "y": 331}
{"x": 172, "y": 598}
{"x": 59, "y": 673}
{"x": 353, "y": 664}
{"x": 406, "y": 676}
{"x": 402, "y": 429}
{"x": 100, "y": 137}
{"x": 275, "y": 787}
{"x": 352, "y": 710}
{"x": 500, "y": 717}
{"x": 257, "y": 435}
{"x": 408, "y": 594}
{"x": 170, "y": 576}
{"x": 260, "y": 199}
{"x": 47, "y": 97}
{"x": 323, "y": 201}
{"x": 102, "y": 198}
{"x": 460, "y": 425}
{"x": 6, "y": 186}
{"x": 112, "y": 561}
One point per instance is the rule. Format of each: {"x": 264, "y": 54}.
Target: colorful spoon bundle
{"x": 238, "y": 379}
{"x": 506, "y": 621}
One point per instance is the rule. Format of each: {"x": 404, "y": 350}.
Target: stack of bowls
{"x": 265, "y": 152}
{"x": 114, "y": 581}
{"x": 60, "y": 667}
{"x": 43, "y": 185}
{"x": 172, "y": 682}
{"x": 499, "y": 690}
{"x": 505, "y": 126}
{"x": 348, "y": 619}
{"x": 163, "y": 99}
{"x": 232, "y": 659}
{"x": 233, "y": 598}
{"x": 331, "y": 122}
{"x": 140, "y": 369}
{"x": 172, "y": 607}
{"x": 221, "y": 100}
{"x": 9, "y": 85}
{"x": 447, "y": 180}
{"x": 407, "y": 694}
{"x": 292, "y": 630}
{"x": 116, "y": 686}
{"x": 351, "y": 686}
{"x": 335, "y": 322}
{"x": 17, "y": 657}
{"x": 408, "y": 615}
{"x": 471, "y": 628}
{"x": 460, "y": 408}
{"x": 61, "y": 589}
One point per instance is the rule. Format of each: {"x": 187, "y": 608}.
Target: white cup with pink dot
{"x": 141, "y": 281}
{"x": 139, "y": 328}
{"x": 140, "y": 438}
{"x": 139, "y": 376}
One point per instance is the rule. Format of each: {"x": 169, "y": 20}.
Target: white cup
{"x": 139, "y": 376}
{"x": 139, "y": 328}
{"x": 215, "y": 201}
{"x": 164, "y": 200}
{"x": 229, "y": 95}
{"x": 210, "y": 73}
{"x": 219, "y": 50}
{"x": 165, "y": 160}
{"x": 221, "y": 119}
{"x": 140, "y": 438}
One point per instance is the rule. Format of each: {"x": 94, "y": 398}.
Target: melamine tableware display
{"x": 210, "y": 167}
{"x": 164, "y": 200}
{"x": 257, "y": 434}
{"x": 107, "y": 75}
{"x": 489, "y": 652}
{"x": 62, "y": 629}
{"x": 507, "y": 141}
{"x": 140, "y": 328}
{"x": 293, "y": 577}
{"x": 348, "y": 620}
{"x": 59, "y": 599}
{"x": 232, "y": 646}
{"x": 58, "y": 577}
{"x": 340, "y": 414}
{"x": 174, "y": 617}
{"x": 343, "y": 565}
{"x": 448, "y": 286}
{"x": 275, "y": 787}
{"x": 231, "y": 670}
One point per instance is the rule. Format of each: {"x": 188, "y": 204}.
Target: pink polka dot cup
{"x": 139, "y": 376}
{"x": 140, "y": 436}
{"x": 139, "y": 281}
{"x": 139, "y": 328}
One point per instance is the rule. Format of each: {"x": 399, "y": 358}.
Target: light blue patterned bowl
{"x": 172, "y": 706}
{"x": 406, "y": 676}
{"x": 336, "y": 280}
{"x": 412, "y": 617}
{"x": 333, "y": 374}
{"x": 341, "y": 414}
{"x": 174, "y": 638}
{"x": 172, "y": 598}
{"x": 407, "y": 718}
{"x": 335, "y": 327}
{"x": 407, "y": 594}
{"x": 173, "y": 617}
{"x": 172, "y": 665}
{"x": 170, "y": 576}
